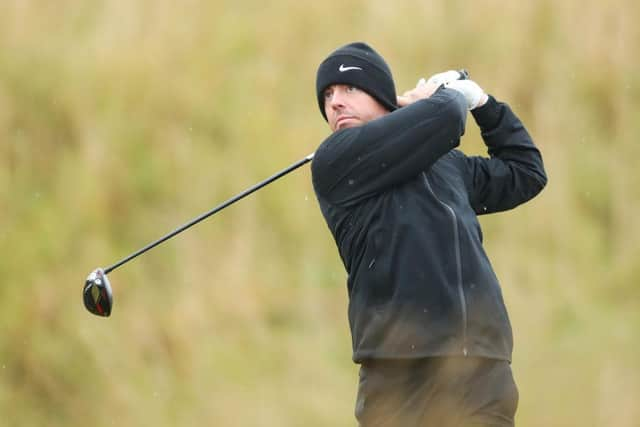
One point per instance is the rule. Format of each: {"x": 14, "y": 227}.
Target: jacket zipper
{"x": 463, "y": 300}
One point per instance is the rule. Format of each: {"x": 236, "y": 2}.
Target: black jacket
{"x": 401, "y": 203}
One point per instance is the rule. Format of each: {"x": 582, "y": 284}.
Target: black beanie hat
{"x": 359, "y": 65}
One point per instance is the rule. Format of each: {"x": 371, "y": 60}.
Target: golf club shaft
{"x": 205, "y": 215}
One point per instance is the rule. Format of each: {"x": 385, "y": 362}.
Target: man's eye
{"x": 327, "y": 94}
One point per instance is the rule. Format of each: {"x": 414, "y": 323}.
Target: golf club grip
{"x": 207, "y": 214}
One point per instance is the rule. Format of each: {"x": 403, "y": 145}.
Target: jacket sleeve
{"x": 355, "y": 163}
{"x": 514, "y": 171}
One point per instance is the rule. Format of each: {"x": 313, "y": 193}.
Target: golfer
{"x": 428, "y": 322}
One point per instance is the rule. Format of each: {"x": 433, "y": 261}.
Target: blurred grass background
{"x": 121, "y": 120}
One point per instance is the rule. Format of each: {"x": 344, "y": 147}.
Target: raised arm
{"x": 355, "y": 163}
{"x": 514, "y": 171}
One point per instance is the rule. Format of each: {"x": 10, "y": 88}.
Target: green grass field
{"x": 120, "y": 121}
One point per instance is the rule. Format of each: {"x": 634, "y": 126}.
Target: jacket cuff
{"x": 488, "y": 116}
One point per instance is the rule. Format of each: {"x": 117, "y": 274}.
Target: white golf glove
{"x": 473, "y": 93}
{"x": 445, "y": 77}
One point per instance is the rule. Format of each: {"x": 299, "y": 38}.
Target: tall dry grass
{"x": 121, "y": 120}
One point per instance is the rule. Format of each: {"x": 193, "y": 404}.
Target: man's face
{"x": 347, "y": 106}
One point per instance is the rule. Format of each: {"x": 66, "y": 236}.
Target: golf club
{"x": 97, "y": 294}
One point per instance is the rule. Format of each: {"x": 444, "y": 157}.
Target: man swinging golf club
{"x": 428, "y": 322}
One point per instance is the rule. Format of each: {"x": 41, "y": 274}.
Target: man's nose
{"x": 337, "y": 100}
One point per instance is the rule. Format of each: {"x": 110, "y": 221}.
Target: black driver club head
{"x": 96, "y": 294}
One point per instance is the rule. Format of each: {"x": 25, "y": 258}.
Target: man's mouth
{"x": 342, "y": 119}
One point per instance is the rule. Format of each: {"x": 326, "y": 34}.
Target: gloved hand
{"x": 447, "y": 76}
{"x": 475, "y": 96}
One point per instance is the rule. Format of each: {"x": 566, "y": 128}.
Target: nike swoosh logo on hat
{"x": 342, "y": 68}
